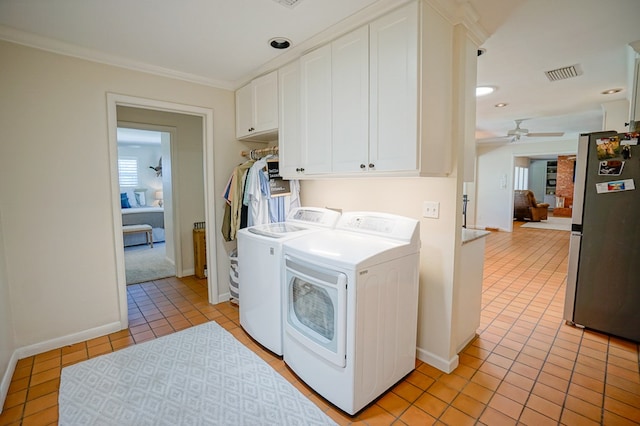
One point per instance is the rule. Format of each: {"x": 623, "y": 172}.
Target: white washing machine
{"x": 351, "y": 307}
{"x": 260, "y": 270}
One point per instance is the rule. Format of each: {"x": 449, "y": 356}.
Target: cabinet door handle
{"x": 362, "y": 166}
{"x": 299, "y": 169}
{"x": 251, "y": 129}
{"x": 372, "y": 166}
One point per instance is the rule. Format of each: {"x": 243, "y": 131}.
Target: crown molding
{"x": 461, "y": 12}
{"x": 66, "y": 49}
{"x": 457, "y": 12}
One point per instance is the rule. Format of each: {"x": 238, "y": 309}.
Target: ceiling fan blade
{"x": 495, "y": 139}
{"x": 544, "y": 135}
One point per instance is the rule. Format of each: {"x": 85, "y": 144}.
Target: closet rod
{"x": 254, "y": 154}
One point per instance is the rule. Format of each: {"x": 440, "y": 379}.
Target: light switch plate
{"x": 431, "y": 209}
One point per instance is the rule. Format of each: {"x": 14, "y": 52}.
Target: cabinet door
{"x": 244, "y": 111}
{"x": 315, "y": 109}
{"x": 350, "y": 102}
{"x": 290, "y": 150}
{"x": 265, "y": 102}
{"x": 394, "y": 90}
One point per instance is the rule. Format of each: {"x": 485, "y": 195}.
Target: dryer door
{"x": 315, "y": 303}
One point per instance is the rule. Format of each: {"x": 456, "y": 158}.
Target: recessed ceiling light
{"x": 484, "y": 90}
{"x": 279, "y": 43}
{"x": 611, "y": 91}
{"x": 501, "y": 105}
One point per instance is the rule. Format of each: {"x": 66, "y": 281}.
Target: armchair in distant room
{"x": 525, "y": 206}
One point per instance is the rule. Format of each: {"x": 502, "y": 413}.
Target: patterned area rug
{"x": 555, "y": 223}
{"x": 198, "y": 376}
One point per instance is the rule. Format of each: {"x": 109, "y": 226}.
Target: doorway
{"x": 144, "y": 171}
{"x": 139, "y": 110}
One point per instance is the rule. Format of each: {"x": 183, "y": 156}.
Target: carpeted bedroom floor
{"x": 143, "y": 263}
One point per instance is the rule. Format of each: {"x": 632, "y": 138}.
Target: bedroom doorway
{"x": 144, "y": 172}
{"x": 192, "y": 179}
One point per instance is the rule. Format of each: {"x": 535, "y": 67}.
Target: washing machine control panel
{"x": 310, "y": 216}
{"x": 314, "y": 216}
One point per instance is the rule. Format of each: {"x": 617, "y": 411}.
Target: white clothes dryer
{"x": 260, "y": 270}
{"x": 351, "y": 307}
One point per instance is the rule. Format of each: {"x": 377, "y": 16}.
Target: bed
{"x": 153, "y": 216}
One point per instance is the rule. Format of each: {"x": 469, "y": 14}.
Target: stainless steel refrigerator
{"x": 603, "y": 280}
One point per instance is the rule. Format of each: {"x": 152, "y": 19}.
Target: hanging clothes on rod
{"x": 257, "y": 193}
{"x": 233, "y": 195}
{"x": 248, "y": 199}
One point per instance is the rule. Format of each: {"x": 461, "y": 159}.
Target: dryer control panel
{"x": 314, "y": 216}
{"x": 384, "y": 225}
{"x": 371, "y": 223}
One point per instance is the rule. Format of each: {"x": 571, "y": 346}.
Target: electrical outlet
{"x": 431, "y": 209}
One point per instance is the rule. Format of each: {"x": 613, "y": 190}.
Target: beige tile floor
{"x": 526, "y": 367}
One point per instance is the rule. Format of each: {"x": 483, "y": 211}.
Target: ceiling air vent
{"x": 288, "y": 3}
{"x": 564, "y": 73}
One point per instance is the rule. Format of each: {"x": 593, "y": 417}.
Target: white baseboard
{"x": 224, "y": 297}
{"x": 58, "y": 342}
{"x": 435, "y": 361}
{"x": 69, "y": 339}
{"x": 187, "y": 272}
{"x": 6, "y": 378}
{"x": 464, "y": 344}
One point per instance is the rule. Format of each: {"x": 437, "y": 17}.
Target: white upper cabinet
{"x": 315, "y": 110}
{"x": 358, "y": 103}
{"x": 350, "y": 102}
{"x": 289, "y": 141}
{"x": 393, "y": 137}
{"x": 257, "y": 109}
{"x": 333, "y": 109}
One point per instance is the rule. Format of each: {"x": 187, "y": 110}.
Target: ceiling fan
{"x": 515, "y": 134}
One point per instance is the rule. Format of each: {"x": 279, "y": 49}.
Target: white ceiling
{"x": 542, "y": 35}
{"x": 225, "y": 43}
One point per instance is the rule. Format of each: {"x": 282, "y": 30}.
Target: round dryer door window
{"x": 316, "y": 309}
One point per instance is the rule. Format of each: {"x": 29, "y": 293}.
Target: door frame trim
{"x": 113, "y": 101}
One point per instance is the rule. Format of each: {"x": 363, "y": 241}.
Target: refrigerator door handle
{"x": 572, "y": 274}
{"x": 580, "y": 176}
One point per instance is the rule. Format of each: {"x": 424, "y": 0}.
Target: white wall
{"x": 55, "y": 183}
{"x": 538, "y": 179}
{"x": 494, "y": 186}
